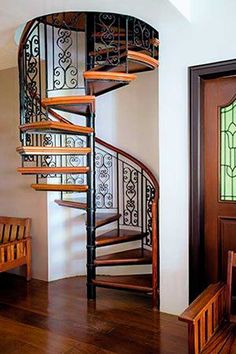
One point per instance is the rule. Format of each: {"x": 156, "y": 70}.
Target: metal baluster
{"x": 142, "y": 214}
{"x": 126, "y": 43}
{"x": 22, "y": 93}
{"x": 146, "y": 217}
{"x": 53, "y": 55}
{"x": 46, "y": 58}
{"x": 123, "y": 192}
{"x": 153, "y": 46}
{"x": 61, "y": 161}
{"x": 38, "y": 92}
{"x": 94, "y": 57}
{"x": 118, "y": 189}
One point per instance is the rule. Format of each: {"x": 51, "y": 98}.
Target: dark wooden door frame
{"x": 196, "y": 227}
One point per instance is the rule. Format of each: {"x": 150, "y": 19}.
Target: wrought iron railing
{"x": 54, "y": 52}
{"x": 110, "y": 36}
{"x": 56, "y": 49}
{"x": 52, "y": 60}
{"x": 123, "y": 183}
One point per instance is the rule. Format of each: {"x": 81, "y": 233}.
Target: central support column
{"x": 91, "y": 209}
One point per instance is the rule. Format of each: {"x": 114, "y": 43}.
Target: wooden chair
{"x": 211, "y": 328}
{"x": 15, "y": 244}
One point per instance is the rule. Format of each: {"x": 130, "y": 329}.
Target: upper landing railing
{"x": 56, "y": 49}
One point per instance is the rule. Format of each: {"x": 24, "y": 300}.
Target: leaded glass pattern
{"x": 228, "y": 152}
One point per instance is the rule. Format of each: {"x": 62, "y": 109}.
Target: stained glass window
{"x": 228, "y": 152}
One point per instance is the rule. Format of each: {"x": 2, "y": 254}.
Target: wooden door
{"x": 219, "y": 151}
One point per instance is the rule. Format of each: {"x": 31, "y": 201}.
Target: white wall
{"x": 17, "y": 199}
{"x": 209, "y": 37}
{"x": 184, "y": 6}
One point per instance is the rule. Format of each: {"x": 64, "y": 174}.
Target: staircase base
{"x": 138, "y": 283}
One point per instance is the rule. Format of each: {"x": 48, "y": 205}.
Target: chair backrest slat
{"x": 234, "y": 260}
{"x": 12, "y": 229}
{"x": 6, "y": 234}
{"x": 1, "y": 231}
{"x": 230, "y": 265}
{"x": 14, "y": 232}
{"x": 21, "y": 232}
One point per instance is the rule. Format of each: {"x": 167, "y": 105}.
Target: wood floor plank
{"x": 41, "y": 317}
{"x": 42, "y": 340}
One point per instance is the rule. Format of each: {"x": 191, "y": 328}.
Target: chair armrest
{"x": 202, "y": 302}
{"x": 205, "y": 315}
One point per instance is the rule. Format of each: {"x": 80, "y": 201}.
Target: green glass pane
{"x": 228, "y": 152}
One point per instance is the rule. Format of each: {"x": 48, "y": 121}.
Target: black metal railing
{"x": 123, "y": 185}
{"x": 110, "y": 36}
{"x": 56, "y": 49}
{"x": 54, "y": 52}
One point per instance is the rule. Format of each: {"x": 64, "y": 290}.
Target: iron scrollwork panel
{"x": 150, "y": 193}
{"x": 63, "y": 52}
{"x": 74, "y": 160}
{"x": 130, "y": 195}
{"x": 31, "y": 77}
{"x": 107, "y": 39}
{"x": 104, "y": 166}
{"x": 141, "y": 35}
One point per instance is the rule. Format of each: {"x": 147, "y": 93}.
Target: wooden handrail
{"x": 145, "y": 169}
{"x": 133, "y": 159}
{"x": 155, "y": 199}
{"x": 155, "y": 245}
{"x": 24, "y": 34}
{"x": 69, "y": 126}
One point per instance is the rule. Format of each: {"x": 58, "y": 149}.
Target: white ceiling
{"x": 15, "y": 12}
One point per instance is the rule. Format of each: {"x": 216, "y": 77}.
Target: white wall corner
{"x": 184, "y": 7}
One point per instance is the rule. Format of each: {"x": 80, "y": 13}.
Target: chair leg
{"x": 28, "y": 264}
{"x": 28, "y": 272}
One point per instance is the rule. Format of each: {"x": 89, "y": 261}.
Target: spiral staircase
{"x": 66, "y": 60}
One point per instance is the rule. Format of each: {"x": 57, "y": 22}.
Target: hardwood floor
{"x": 41, "y": 317}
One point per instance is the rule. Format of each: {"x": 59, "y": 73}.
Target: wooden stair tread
{"x": 133, "y": 256}
{"x": 109, "y": 50}
{"x": 100, "y": 82}
{"x": 106, "y": 218}
{"x": 121, "y": 51}
{"x": 60, "y": 187}
{"x": 71, "y": 204}
{"x": 137, "y": 62}
{"x": 52, "y": 170}
{"x": 146, "y": 61}
{"x": 140, "y": 283}
{"x": 54, "y": 127}
{"x": 121, "y": 34}
{"x": 116, "y": 236}
{"x": 114, "y": 76}
{"x": 82, "y": 105}
{"x": 122, "y": 44}
{"x": 40, "y": 150}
